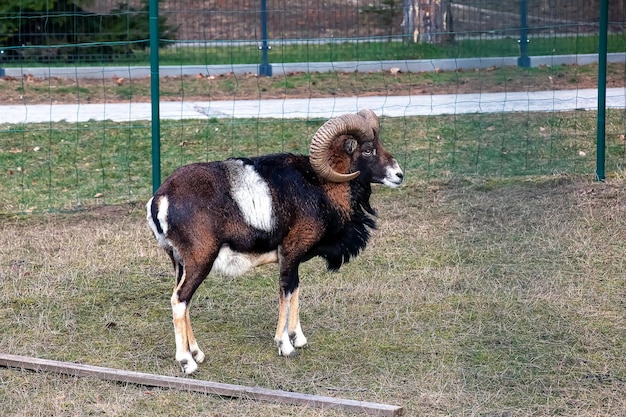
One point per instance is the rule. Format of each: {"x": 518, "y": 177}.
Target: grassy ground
{"x": 70, "y": 166}
{"x": 74, "y": 166}
{"x": 505, "y": 43}
{"x": 340, "y": 50}
{"x": 494, "y": 297}
{"x": 499, "y": 297}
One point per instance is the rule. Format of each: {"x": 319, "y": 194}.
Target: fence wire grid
{"x": 447, "y": 78}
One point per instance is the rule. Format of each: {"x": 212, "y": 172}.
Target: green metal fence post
{"x": 2, "y": 73}
{"x": 265, "y": 69}
{"x": 154, "y": 94}
{"x": 524, "y": 60}
{"x": 601, "y": 129}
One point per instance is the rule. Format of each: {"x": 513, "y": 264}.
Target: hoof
{"x": 291, "y": 354}
{"x": 299, "y": 342}
{"x": 198, "y": 355}
{"x": 189, "y": 366}
{"x": 286, "y": 350}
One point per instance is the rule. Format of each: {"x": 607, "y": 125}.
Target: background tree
{"x": 68, "y": 30}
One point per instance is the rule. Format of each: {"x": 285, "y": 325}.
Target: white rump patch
{"x": 162, "y": 208}
{"x": 252, "y": 195}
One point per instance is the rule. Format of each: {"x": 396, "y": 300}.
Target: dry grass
{"x": 500, "y": 297}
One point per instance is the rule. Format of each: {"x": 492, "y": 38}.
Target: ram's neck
{"x": 340, "y": 197}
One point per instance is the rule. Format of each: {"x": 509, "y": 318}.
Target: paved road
{"x": 316, "y": 108}
{"x": 392, "y": 106}
{"x": 409, "y": 65}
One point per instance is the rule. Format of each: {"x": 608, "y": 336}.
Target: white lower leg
{"x": 183, "y": 355}
{"x": 197, "y": 354}
{"x": 285, "y": 348}
{"x": 282, "y": 333}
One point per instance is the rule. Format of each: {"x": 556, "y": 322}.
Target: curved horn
{"x": 347, "y": 124}
{"x": 372, "y": 119}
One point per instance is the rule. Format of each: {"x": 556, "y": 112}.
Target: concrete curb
{"x": 419, "y": 65}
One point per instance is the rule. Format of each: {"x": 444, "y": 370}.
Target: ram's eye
{"x": 369, "y": 152}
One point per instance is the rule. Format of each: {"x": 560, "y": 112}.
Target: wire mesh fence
{"x": 83, "y": 54}
{"x": 83, "y": 31}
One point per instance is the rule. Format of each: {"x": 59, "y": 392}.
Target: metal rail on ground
{"x": 196, "y": 385}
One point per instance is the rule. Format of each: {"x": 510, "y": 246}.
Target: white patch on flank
{"x": 231, "y": 263}
{"x": 252, "y": 195}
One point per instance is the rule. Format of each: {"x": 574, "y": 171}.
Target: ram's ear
{"x": 350, "y": 145}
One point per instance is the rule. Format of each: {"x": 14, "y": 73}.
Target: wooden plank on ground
{"x": 206, "y": 387}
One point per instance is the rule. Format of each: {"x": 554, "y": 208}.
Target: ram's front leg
{"x": 289, "y": 331}
{"x": 282, "y": 339}
{"x": 302, "y": 237}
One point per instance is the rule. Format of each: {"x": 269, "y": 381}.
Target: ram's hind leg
{"x": 197, "y": 354}
{"x": 183, "y": 334}
{"x": 188, "y": 353}
{"x": 293, "y": 328}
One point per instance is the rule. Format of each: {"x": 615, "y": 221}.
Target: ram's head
{"x": 347, "y": 147}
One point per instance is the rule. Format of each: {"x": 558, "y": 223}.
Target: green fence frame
{"x": 155, "y": 94}
{"x": 601, "y": 129}
{"x": 265, "y": 70}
